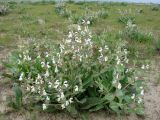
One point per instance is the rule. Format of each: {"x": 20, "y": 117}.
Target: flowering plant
{"x": 4, "y": 9}
{"x": 77, "y": 74}
{"x": 132, "y": 32}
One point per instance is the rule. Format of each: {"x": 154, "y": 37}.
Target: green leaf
{"x": 87, "y": 82}
{"x": 71, "y": 109}
{"x": 96, "y": 108}
{"x": 114, "y": 106}
{"x": 109, "y": 97}
{"x": 18, "y": 95}
{"x": 139, "y": 111}
{"x": 127, "y": 99}
{"x": 82, "y": 101}
{"x": 119, "y": 93}
{"x": 93, "y": 101}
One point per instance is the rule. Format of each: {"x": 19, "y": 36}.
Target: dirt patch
{"x": 152, "y": 95}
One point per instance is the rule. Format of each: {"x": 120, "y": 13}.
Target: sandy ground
{"x": 151, "y": 98}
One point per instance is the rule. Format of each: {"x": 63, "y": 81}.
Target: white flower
{"x": 32, "y": 89}
{"x": 78, "y": 40}
{"x": 71, "y": 100}
{"x": 61, "y": 47}
{"x": 142, "y": 92}
{"x": 41, "y": 81}
{"x": 106, "y": 47}
{"x": 46, "y": 74}
{"x": 62, "y": 95}
{"x": 36, "y": 82}
{"x": 58, "y": 99}
{"x": 88, "y": 41}
{"x": 147, "y": 66}
{"x": 139, "y": 100}
{"x": 28, "y": 89}
{"x": 67, "y": 103}
{"x": 43, "y": 64}
{"x": 56, "y": 84}
{"x": 29, "y": 58}
{"x": 63, "y": 106}
{"x": 44, "y": 93}
{"x": 133, "y": 96}
{"x": 27, "y": 51}
{"x": 105, "y": 58}
{"x": 117, "y": 76}
{"x": 56, "y": 69}
{"x": 76, "y": 88}
{"x": 143, "y": 67}
{"x": 83, "y": 21}
{"x": 100, "y": 49}
{"x": 39, "y": 56}
{"x": 118, "y": 61}
{"x": 125, "y": 51}
{"x": 70, "y": 35}
{"x": 88, "y": 22}
{"x": 141, "y": 87}
{"x": 24, "y": 57}
{"x": 80, "y": 58}
{"x": 114, "y": 82}
{"x": 53, "y": 60}
{"x": 47, "y": 55}
{"x": 21, "y": 76}
{"x": 126, "y": 71}
{"x": 44, "y": 106}
{"x": 50, "y": 85}
{"x": 126, "y": 60}
{"x": 79, "y": 28}
{"x": 47, "y": 98}
{"x": 68, "y": 40}
{"x": 19, "y": 62}
{"x": 65, "y": 83}
{"x": 20, "y": 56}
{"x": 48, "y": 66}
{"x": 38, "y": 77}
{"x": 119, "y": 86}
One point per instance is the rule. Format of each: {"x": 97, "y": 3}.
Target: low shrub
{"x": 91, "y": 17}
{"x": 4, "y": 9}
{"x": 65, "y": 13}
{"x": 155, "y": 8}
{"x": 157, "y": 45}
{"x": 124, "y": 3}
{"x": 77, "y": 74}
{"x": 140, "y": 11}
{"x": 125, "y": 19}
{"x": 102, "y": 14}
{"x": 75, "y": 18}
{"x": 70, "y": 1}
{"x": 132, "y": 32}
{"x": 59, "y": 7}
{"x": 61, "y": 10}
{"x": 80, "y": 3}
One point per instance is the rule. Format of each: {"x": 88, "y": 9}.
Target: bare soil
{"x": 151, "y": 98}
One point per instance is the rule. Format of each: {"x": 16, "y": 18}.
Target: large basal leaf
{"x": 71, "y": 109}
{"x": 93, "y": 101}
{"x": 97, "y": 107}
{"x": 114, "y": 106}
{"x": 109, "y": 97}
{"x": 82, "y": 101}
